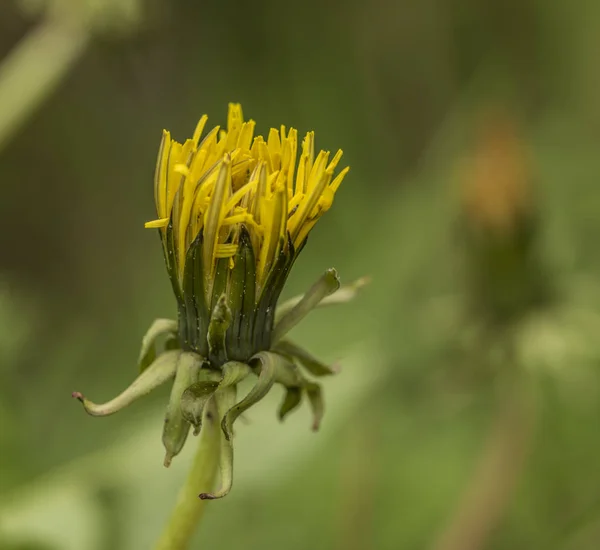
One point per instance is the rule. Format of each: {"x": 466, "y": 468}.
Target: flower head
{"x": 234, "y": 211}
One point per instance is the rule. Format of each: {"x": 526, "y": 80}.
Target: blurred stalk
{"x": 34, "y": 69}
{"x": 358, "y": 480}
{"x": 189, "y": 508}
{"x": 497, "y": 473}
{"x": 507, "y": 281}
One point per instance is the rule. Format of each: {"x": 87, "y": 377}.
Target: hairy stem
{"x": 189, "y": 509}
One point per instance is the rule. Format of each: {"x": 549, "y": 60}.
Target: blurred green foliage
{"x": 396, "y": 85}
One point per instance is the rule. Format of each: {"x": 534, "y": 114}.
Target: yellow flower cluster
{"x": 232, "y": 180}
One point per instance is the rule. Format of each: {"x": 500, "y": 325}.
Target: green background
{"x": 85, "y": 90}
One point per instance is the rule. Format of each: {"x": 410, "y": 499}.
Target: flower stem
{"x": 189, "y": 509}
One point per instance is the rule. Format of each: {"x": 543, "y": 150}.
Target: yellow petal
{"x": 246, "y": 135}
{"x": 214, "y": 217}
{"x": 199, "y": 129}
{"x": 275, "y": 215}
{"x": 288, "y": 159}
{"x": 335, "y": 160}
{"x": 317, "y": 170}
{"x": 296, "y": 222}
{"x": 274, "y": 145}
{"x": 160, "y": 174}
{"x": 235, "y": 117}
{"x": 226, "y": 250}
{"x": 160, "y": 223}
{"x": 339, "y": 178}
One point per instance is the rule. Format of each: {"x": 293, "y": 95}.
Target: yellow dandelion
{"x": 233, "y": 212}
{"x": 230, "y": 198}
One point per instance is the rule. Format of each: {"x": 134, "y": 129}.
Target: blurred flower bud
{"x": 500, "y": 223}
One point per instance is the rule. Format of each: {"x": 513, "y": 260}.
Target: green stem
{"x": 189, "y": 509}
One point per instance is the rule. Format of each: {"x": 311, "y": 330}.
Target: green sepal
{"x": 162, "y": 369}
{"x": 171, "y": 259}
{"x": 148, "y": 349}
{"x": 327, "y": 284}
{"x": 176, "y": 428}
{"x": 315, "y": 398}
{"x": 195, "y": 308}
{"x": 344, "y": 294}
{"x": 219, "y": 323}
{"x": 269, "y": 294}
{"x": 266, "y": 368}
{"x": 308, "y": 361}
{"x": 195, "y": 398}
{"x": 233, "y": 373}
{"x": 241, "y": 299}
{"x": 287, "y": 374}
{"x": 219, "y": 282}
{"x": 225, "y": 399}
{"x": 291, "y": 401}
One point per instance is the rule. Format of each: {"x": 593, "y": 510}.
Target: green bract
{"x": 200, "y": 379}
